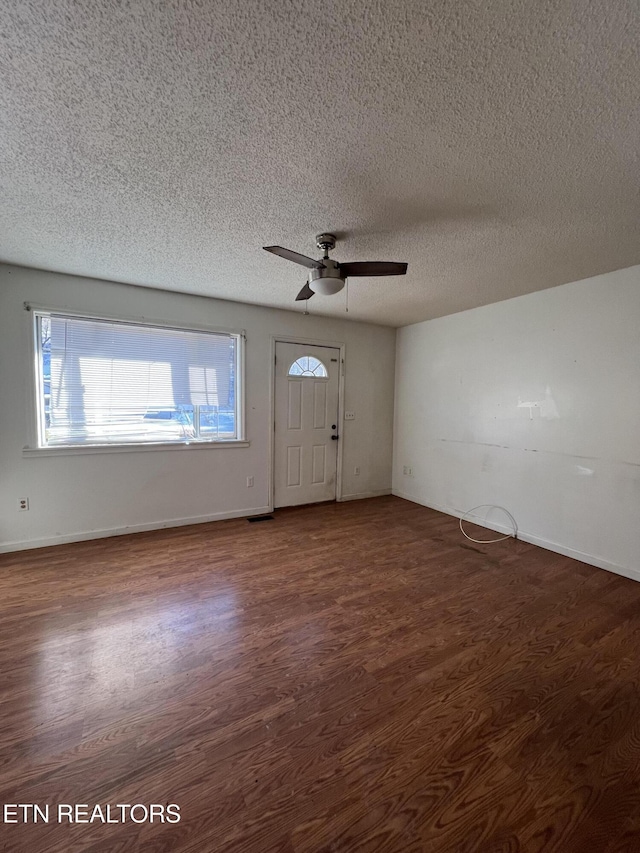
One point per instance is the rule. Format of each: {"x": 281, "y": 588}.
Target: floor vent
{"x": 261, "y": 518}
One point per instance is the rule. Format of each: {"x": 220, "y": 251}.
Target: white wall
{"x": 84, "y": 496}
{"x": 569, "y": 471}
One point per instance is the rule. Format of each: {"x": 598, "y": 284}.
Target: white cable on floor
{"x": 489, "y": 541}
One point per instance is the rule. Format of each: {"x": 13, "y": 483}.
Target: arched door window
{"x": 307, "y": 365}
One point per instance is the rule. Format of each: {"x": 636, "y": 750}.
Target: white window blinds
{"x": 110, "y": 382}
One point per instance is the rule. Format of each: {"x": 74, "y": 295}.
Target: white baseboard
{"x": 592, "y": 560}
{"x": 63, "y": 539}
{"x": 361, "y": 495}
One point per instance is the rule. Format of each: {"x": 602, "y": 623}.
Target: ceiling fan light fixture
{"x": 327, "y": 286}
{"x": 328, "y": 280}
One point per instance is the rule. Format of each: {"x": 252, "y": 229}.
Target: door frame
{"x": 299, "y": 339}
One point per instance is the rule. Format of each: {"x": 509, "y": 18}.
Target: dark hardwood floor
{"x": 347, "y": 677}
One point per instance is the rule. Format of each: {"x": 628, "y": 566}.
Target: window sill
{"x": 81, "y": 450}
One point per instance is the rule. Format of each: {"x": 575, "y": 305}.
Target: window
{"x": 105, "y": 382}
{"x": 307, "y": 365}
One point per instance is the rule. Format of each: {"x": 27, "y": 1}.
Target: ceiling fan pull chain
{"x": 346, "y": 287}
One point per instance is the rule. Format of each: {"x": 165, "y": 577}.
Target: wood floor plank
{"x": 348, "y": 677}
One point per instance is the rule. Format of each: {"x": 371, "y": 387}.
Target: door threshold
{"x": 303, "y": 506}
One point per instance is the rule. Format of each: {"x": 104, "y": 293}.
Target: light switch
{"x": 349, "y": 416}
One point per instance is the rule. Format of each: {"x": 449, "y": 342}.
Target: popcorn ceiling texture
{"x": 492, "y": 145}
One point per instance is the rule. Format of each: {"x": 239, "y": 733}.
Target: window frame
{"x": 36, "y": 446}
{"x": 310, "y": 374}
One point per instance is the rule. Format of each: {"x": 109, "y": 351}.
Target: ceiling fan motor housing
{"x": 326, "y": 241}
{"x": 326, "y": 281}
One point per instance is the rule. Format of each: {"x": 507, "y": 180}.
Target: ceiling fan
{"x": 327, "y": 276}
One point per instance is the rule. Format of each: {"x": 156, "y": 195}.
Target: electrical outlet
{"x": 249, "y": 482}
{"x": 407, "y": 471}
{"x": 349, "y": 416}
{"x": 23, "y": 504}
{"x": 356, "y": 470}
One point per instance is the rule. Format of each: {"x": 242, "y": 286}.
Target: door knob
{"x": 335, "y": 437}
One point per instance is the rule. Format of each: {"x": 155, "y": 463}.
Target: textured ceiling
{"x": 490, "y": 144}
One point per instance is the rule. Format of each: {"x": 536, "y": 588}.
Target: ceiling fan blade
{"x": 373, "y": 268}
{"x": 296, "y": 257}
{"x": 305, "y": 293}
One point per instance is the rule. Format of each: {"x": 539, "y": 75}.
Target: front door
{"x": 306, "y": 423}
